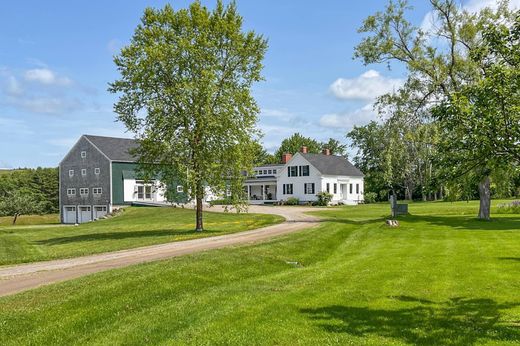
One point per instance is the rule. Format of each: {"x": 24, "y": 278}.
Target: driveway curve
{"x": 18, "y": 278}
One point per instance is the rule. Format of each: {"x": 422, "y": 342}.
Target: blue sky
{"x": 56, "y": 62}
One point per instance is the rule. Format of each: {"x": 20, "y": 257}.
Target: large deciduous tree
{"x": 185, "y": 92}
{"x": 440, "y": 63}
{"x": 482, "y": 119}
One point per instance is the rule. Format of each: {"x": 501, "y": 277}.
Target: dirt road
{"x": 14, "y": 279}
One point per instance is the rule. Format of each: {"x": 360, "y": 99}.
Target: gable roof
{"x": 332, "y": 165}
{"x": 116, "y": 149}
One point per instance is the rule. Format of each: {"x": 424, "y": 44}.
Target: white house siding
{"x": 343, "y": 194}
{"x": 130, "y": 194}
{"x": 298, "y": 182}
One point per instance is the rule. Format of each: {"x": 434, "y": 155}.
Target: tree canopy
{"x": 445, "y": 65}
{"x": 185, "y": 92}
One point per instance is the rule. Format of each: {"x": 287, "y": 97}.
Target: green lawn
{"x": 29, "y": 220}
{"x": 135, "y": 227}
{"x": 439, "y": 279}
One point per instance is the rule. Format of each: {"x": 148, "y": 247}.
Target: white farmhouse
{"x": 303, "y": 176}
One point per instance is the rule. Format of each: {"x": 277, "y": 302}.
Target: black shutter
{"x": 284, "y": 189}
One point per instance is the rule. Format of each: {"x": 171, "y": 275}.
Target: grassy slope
{"x": 29, "y": 220}
{"x": 136, "y": 227}
{"x": 446, "y": 280}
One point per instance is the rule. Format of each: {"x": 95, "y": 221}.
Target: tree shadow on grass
{"x": 456, "y": 222}
{"x": 457, "y": 321}
{"x": 516, "y": 259}
{"x": 467, "y": 223}
{"x": 118, "y": 236}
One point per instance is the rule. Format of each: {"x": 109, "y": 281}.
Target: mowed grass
{"x": 30, "y": 220}
{"x": 135, "y": 227}
{"x": 441, "y": 278}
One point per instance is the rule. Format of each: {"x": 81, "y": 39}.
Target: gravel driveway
{"x": 18, "y": 278}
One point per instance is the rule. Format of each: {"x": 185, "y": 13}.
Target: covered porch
{"x": 260, "y": 192}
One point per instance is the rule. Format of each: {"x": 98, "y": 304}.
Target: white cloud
{"x": 46, "y": 76}
{"x": 40, "y": 90}
{"x": 347, "y": 120}
{"x": 477, "y": 5}
{"x": 367, "y": 86}
{"x": 429, "y": 22}
{"x": 47, "y": 105}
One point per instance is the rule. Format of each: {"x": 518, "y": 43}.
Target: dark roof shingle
{"x": 332, "y": 165}
{"x": 116, "y": 149}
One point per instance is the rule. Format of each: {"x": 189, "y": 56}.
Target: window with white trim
{"x": 287, "y": 189}
{"x": 71, "y": 192}
{"x": 292, "y": 171}
{"x": 83, "y": 154}
{"x": 97, "y": 171}
{"x": 274, "y": 171}
{"x": 335, "y": 188}
{"x": 71, "y": 173}
{"x": 308, "y": 188}
{"x": 180, "y": 188}
{"x": 83, "y": 172}
{"x": 304, "y": 171}
{"x": 96, "y": 191}
{"x": 83, "y": 192}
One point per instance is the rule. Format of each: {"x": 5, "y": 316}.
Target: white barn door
{"x": 85, "y": 214}
{"x": 99, "y": 211}
{"x": 69, "y": 214}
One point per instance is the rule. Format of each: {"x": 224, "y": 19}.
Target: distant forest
{"x": 39, "y": 186}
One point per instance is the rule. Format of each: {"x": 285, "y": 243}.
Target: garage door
{"x": 85, "y": 214}
{"x": 99, "y": 211}
{"x": 69, "y": 214}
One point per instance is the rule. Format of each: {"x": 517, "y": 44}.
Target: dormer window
{"x": 83, "y": 154}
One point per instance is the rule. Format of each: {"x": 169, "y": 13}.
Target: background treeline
{"x": 24, "y": 191}
{"x": 406, "y": 161}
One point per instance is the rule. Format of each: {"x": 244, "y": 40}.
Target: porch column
{"x": 248, "y": 192}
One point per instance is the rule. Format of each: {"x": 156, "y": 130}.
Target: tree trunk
{"x": 199, "y": 198}
{"x": 441, "y": 193}
{"x": 15, "y": 218}
{"x": 485, "y": 199}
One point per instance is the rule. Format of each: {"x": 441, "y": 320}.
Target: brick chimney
{"x": 303, "y": 149}
{"x": 286, "y": 157}
{"x": 325, "y": 151}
